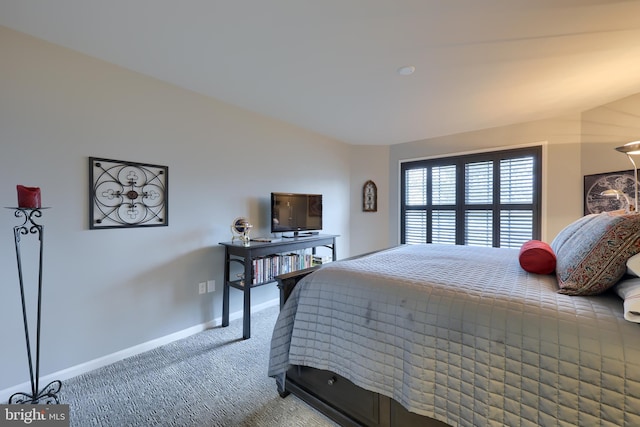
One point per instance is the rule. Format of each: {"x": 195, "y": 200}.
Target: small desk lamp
{"x": 632, "y": 149}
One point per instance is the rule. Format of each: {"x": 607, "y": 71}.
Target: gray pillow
{"x": 593, "y": 251}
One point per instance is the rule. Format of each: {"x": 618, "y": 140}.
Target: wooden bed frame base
{"x": 335, "y": 396}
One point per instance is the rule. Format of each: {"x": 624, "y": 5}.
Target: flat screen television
{"x": 292, "y": 212}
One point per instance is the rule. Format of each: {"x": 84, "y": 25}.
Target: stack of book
{"x": 266, "y": 268}
{"x": 319, "y": 259}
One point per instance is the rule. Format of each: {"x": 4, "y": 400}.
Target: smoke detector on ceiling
{"x": 406, "y": 70}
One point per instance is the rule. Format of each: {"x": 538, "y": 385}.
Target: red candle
{"x": 28, "y": 197}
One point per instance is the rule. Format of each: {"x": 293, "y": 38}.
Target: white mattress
{"x": 464, "y": 335}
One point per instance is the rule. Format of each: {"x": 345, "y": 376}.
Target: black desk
{"x": 237, "y": 252}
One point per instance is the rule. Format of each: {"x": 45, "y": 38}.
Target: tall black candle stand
{"x": 49, "y": 394}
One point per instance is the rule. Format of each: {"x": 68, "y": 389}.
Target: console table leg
{"x": 246, "y": 312}
{"x": 225, "y": 305}
{"x": 246, "y": 315}
{"x": 225, "y": 291}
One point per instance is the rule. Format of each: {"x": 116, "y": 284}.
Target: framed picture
{"x": 369, "y": 197}
{"x": 126, "y": 194}
{"x": 623, "y": 182}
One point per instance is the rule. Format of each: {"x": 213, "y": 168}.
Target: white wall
{"x": 108, "y": 290}
{"x": 605, "y": 128}
{"x": 562, "y": 181}
{"x": 369, "y": 230}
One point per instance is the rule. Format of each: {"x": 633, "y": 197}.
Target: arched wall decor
{"x": 369, "y": 197}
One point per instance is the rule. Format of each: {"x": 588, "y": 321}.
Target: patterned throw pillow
{"x": 592, "y": 252}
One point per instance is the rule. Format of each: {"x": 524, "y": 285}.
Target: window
{"x": 487, "y": 199}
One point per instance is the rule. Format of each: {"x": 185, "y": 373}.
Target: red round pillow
{"x": 537, "y": 257}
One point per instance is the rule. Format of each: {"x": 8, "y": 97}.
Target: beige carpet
{"x": 212, "y": 378}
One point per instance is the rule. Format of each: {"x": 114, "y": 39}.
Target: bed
{"x": 464, "y": 336}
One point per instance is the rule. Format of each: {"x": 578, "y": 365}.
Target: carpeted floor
{"x": 213, "y": 378}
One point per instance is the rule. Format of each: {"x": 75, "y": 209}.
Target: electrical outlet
{"x": 202, "y": 287}
{"x": 211, "y": 285}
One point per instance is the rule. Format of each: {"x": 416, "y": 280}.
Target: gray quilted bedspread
{"x": 464, "y": 335}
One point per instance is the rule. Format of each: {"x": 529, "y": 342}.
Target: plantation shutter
{"x": 478, "y": 203}
{"x": 516, "y": 188}
{"x": 443, "y": 199}
{"x": 489, "y": 199}
{"x": 416, "y": 196}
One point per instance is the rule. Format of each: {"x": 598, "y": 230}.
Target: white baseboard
{"x": 91, "y": 365}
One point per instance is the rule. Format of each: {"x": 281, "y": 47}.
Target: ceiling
{"x": 330, "y": 66}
